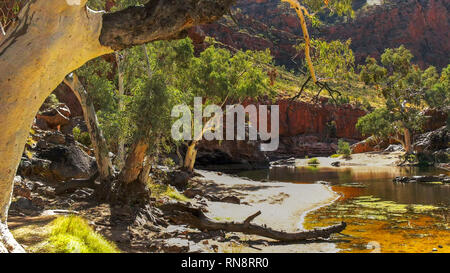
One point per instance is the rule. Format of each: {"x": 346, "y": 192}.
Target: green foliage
{"x": 344, "y": 148}
{"x": 405, "y": 88}
{"x": 218, "y": 75}
{"x": 168, "y": 162}
{"x": 335, "y": 155}
{"x": 438, "y": 96}
{"x": 118, "y": 5}
{"x": 159, "y": 191}
{"x": 313, "y": 161}
{"x": 377, "y": 123}
{"x": 72, "y": 234}
{"x": 50, "y": 102}
{"x": 334, "y": 64}
{"x": 161, "y": 74}
{"x": 150, "y": 92}
{"x": 82, "y": 137}
{"x": 332, "y": 60}
{"x": 330, "y": 7}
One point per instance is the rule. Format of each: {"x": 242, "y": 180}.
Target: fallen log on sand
{"x": 181, "y": 213}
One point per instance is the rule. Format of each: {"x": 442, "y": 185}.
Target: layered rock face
{"x": 325, "y": 120}
{"x": 306, "y": 129}
{"x": 422, "y": 26}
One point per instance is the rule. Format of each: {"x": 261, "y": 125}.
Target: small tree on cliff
{"x": 404, "y": 86}
{"x": 438, "y": 96}
{"x": 334, "y": 64}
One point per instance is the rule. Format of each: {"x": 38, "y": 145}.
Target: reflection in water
{"x": 377, "y": 181}
{"x": 367, "y": 208}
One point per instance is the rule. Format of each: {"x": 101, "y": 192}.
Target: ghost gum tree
{"x": 54, "y": 37}
{"x": 219, "y": 77}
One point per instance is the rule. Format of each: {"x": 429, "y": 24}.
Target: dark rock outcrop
{"x": 231, "y": 155}
{"x": 433, "y": 141}
{"x": 57, "y": 157}
{"x": 422, "y": 179}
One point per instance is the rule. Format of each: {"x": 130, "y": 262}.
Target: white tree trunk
{"x": 49, "y": 32}
{"x": 53, "y": 38}
{"x": 121, "y": 142}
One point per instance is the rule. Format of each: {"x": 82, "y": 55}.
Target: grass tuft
{"x": 313, "y": 161}
{"x": 159, "y": 191}
{"x": 72, "y": 234}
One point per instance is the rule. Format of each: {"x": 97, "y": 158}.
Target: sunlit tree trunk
{"x": 121, "y": 142}
{"x": 35, "y": 57}
{"x": 407, "y": 142}
{"x": 134, "y": 162}
{"x": 147, "y": 59}
{"x": 191, "y": 155}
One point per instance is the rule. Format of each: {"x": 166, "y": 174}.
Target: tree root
{"x": 184, "y": 214}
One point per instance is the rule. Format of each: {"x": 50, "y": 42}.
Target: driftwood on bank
{"x": 184, "y": 214}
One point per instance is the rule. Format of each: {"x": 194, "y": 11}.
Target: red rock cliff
{"x": 421, "y": 25}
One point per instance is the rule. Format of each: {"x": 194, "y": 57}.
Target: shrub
{"x": 335, "y": 155}
{"x": 50, "y": 101}
{"x": 344, "y": 148}
{"x": 82, "y": 137}
{"x": 313, "y": 161}
{"x": 168, "y": 162}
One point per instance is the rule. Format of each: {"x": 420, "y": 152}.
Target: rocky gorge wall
{"x": 421, "y": 25}
{"x": 306, "y": 129}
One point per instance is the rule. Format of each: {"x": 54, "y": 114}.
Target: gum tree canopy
{"x": 50, "y": 39}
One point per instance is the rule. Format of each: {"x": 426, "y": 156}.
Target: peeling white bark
{"x": 73, "y": 2}
{"x": 53, "y": 38}
{"x": 7, "y": 241}
{"x": 49, "y": 32}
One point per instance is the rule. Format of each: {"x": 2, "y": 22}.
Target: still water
{"x": 375, "y": 181}
{"x": 381, "y": 216}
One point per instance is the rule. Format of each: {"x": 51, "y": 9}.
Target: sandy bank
{"x": 374, "y": 159}
{"x": 282, "y": 206}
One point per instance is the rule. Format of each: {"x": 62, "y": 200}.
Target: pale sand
{"x": 283, "y": 206}
{"x": 377, "y": 159}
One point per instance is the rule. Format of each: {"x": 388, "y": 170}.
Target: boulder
{"x": 58, "y": 158}
{"x": 433, "y": 141}
{"x": 367, "y": 145}
{"x": 179, "y": 179}
{"x": 54, "y": 117}
{"x": 231, "y": 200}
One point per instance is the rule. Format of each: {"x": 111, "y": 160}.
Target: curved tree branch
{"x": 158, "y": 20}
{"x": 182, "y": 213}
